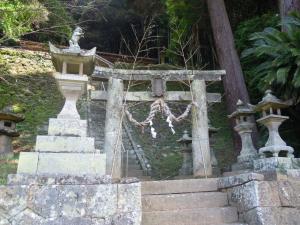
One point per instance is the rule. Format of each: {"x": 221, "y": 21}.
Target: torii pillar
{"x": 113, "y": 128}
{"x": 200, "y": 138}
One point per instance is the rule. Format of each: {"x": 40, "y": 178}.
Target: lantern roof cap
{"x": 8, "y": 114}
{"x": 242, "y": 109}
{"x": 270, "y": 101}
{"x": 186, "y": 138}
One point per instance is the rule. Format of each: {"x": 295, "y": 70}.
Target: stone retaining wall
{"x": 69, "y": 200}
{"x": 261, "y": 202}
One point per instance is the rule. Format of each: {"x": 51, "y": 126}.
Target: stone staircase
{"x": 133, "y": 169}
{"x": 186, "y": 202}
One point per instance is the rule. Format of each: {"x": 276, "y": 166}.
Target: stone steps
{"x": 135, "y": 173}
{"x": 186, "y": 202}
{"x": 180, "y": 186}
{"x": 132, "y": 166}
{"x": 183, "y": 201}
{"x": 203, "y": 216}
{"x": 133, "y": 169}
{"x": 235, "y": 173}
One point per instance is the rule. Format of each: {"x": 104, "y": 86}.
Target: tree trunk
{"x": 233, "y": 81}
{"x": 286, "y": 6}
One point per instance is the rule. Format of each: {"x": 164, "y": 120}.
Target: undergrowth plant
{"x": 275, "y": 59}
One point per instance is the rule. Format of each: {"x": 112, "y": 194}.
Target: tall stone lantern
{"x": 244, "y": 127}
{"x": 67, "y": 149}
{"x": 270, "y": 107}
{"x": 8, "y": 121}
{"x": 72, "y": 66}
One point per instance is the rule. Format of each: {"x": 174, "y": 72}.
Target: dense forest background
{"x": 182, "y": 33}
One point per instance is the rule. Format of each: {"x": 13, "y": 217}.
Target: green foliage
{"x": 274, "y": 59}
{"x": 18, "y": 17}
{"x": 58, "y": 27}
{"x": 7, "y": 166}
{"x": 185, "y": 18}
{"x": 248, "y": 27}
{"x": 167, "y": 166}
{"x": 243, "y": 10}
{"x": 31, "y": 93}
{"x": 185, "y": 12}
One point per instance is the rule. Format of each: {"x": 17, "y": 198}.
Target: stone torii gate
{"x": 115, "y": 95}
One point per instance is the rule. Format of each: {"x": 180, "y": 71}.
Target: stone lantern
{"x": 67, "y": 149}
{"x": 8, "y": 130}
{"x": 187, "y": 164}
{"x": 270, "y": 107}
{"x": 244, "y": 127}
{"x": 214, "y": 162}
{"x": 72, "y": 67}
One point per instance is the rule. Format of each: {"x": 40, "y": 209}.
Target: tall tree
{"x": 287, "y": 6}
{"x": 234, "y": 83}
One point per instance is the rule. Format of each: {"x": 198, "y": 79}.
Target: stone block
{"x": 45, "y": 201}
{"x": 261, "y": 216}
{"x": 289, "y": 193}
{"x": 67, "y": 200}
{"x": 129, "y": 197}
{"x": 296, "y": 163}
{"x": 27, "y": 217}
{"x": 273, "y": 163}
{"x": 74, "y": 221}
{"x": 276, "y": 174}
{"x": 63, "y": 163}
{"x": 102, "y": 201}
{"x": 67, "y": 127}
{"x": 28, "y": 162}
{"x": 58, "y": 179}
{"x": 255, "y": 194}
{"x": 272, "y": 216}
{"x": 169, "y": 202}
{"x": 294, "y": 173}
{"x": 4, "y": 221}
{"x": 228, "y": 182}
{"x": 204, "y": 216}
{"x": 13, "y": 200}
{"x": 64, "y": 144}
{"x": 131, "y": 218}
{"x": 179, "y": 186}
{"x": 71, "y": 201}
{"x": 247, "y": 165}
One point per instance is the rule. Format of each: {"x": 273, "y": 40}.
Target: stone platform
{"x": 70, "y": 200}
{"x": 66, "y": 163}
{"x": 65, "y": 150}
{"x": 263, "y": 202}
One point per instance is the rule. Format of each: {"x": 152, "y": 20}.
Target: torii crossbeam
{"x": 115, "y": 96}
